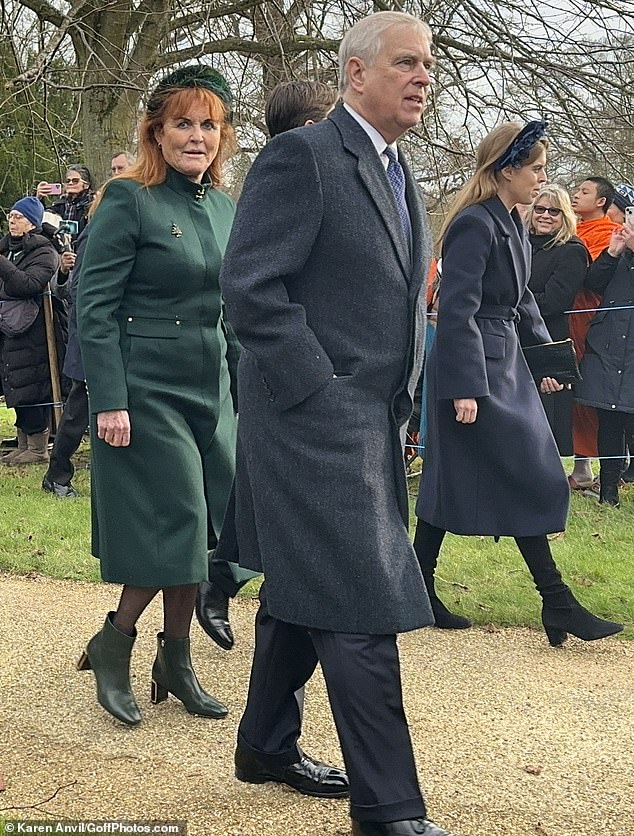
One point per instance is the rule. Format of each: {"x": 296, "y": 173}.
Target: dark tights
{"x": 535, "y": 551}
{"x": 178, "y": 608}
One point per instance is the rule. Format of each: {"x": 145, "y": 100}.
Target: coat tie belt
{"x": 506, "y": 312}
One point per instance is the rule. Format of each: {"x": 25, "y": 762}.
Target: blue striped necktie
{"x": 397, "y": 181}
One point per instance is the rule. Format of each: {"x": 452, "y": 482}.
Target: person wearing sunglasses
{"x": 78, "y": 194}
{"x": 558, "y": 270}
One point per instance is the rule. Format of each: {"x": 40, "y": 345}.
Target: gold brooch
{"x": 176, "y": 231}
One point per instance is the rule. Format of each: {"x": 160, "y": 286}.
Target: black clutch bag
{"x": 556, "y": 360}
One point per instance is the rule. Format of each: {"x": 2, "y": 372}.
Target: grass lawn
{"x": 485, "y": 581}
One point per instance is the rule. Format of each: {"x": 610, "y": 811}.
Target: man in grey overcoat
{"x": 327, "y": 259}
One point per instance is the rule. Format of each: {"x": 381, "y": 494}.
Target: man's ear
{"x": 601, "y": 202}
{"x": 309, "y": 122}
{"x": 355, "y": 69}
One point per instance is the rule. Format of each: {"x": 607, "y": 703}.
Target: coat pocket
{"x": 168, "y": 329}
{"x": 494, "y": 346}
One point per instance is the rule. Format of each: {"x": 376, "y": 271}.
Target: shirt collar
{"x": 376, "y": 138}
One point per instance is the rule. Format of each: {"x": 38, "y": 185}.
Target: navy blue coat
{"x": 608, "y": 364}
{"x": 318, "y": 281}
{"x": 501, "y": 475}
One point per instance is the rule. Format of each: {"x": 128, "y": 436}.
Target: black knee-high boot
{"x": 609, "y": 478}
{"x": 561, "y": 612}
{"x": 427, "y": 542}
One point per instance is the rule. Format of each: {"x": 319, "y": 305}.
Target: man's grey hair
{"x": 365, "y": 39}
{"x": 129, "y": 157}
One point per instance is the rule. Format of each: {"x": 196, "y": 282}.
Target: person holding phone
{"x": 607, "y": 367}
{"x": 73, "y": 205}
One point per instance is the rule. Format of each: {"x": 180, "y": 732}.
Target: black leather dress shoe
{"x": 63, "y": 491}
{"x": 307, "y": 776}
{"x": 212, "y": 612}
{"x": 407, "y": 827}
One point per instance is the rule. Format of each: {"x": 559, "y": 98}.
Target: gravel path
{"x": 512, "y": 737}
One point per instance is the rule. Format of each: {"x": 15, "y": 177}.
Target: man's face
{"x": 119, "y": 164}
{"x": 392, "y": 91}
{"x": 586, "y": 202}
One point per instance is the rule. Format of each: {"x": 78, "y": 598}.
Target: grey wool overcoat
{"x": 321, "y": 291}
{"x": 501, "y": 475}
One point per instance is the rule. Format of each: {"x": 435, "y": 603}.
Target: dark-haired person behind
{"x": 608, "y": 364}
{"x": 558, "y": 271}
{"x": 78, "y": 194}
{"x": 492, "y": 467}
{"x": 291, "y": 104}
{"x": 591, "y": 202}
{"x": 154, "y": 344}
{"x": 28, "y": 260}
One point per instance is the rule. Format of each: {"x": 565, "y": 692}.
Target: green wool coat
{"x": 154, "y": 342}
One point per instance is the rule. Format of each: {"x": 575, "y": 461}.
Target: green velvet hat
{"x": 193, "y": 75}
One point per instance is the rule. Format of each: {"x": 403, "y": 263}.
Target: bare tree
{"x": 497, "y": 59}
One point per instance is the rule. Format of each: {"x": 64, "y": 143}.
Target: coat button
{"x": 129, "y": 319}
{"x": 613, "y": 406}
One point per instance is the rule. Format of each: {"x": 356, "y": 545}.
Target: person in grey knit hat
{"x": 623, "y": 197}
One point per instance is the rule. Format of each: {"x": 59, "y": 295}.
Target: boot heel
{"x": 84, "y": 662}
{"x": 158, "y": 693}
{"x": 556, "y": 637}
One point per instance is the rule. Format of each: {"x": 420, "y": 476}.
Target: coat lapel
{"x": 372, "y": 173}
{"x": 516, "y": 237}
{"x": 421, "y": 240}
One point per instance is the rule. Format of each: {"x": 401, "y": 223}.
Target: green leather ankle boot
{"x": 172, "y": 673}
{"x": 108, "y": 656}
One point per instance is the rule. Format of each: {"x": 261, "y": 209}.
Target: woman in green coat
{"x": 157, "y": 353}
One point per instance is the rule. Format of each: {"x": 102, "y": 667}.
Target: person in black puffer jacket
{"x": 608, "y": 364}
{"x": 28, "y": 260}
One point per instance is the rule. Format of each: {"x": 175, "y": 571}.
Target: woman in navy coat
{"x": 492, "y": 465}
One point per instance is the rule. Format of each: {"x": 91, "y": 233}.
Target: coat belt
{"x": 506, "y": 312}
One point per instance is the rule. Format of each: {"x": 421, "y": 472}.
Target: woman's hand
{"x": 466, "y": 410}
{"x": 43, "y": 189}
{"x": 617, "y": 243}
{"x": 113, "y": 427}
{"x": 627, "y": 235}
{"x": 67, "y": 262}
{"x": 549, "y": 385}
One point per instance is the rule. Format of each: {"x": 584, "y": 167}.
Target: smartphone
{"x": 54, "y": 188}
{"x": 629, "y": 214}
{"x": 69, "y": 227}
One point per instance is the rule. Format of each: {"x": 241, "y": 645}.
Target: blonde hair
{"x": 484, "y": 184}
{"x": 365, "y": 39}
{"x": 559, "y": 198}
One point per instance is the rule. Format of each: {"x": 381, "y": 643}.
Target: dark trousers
{"x": 362, "y": 675}
{"x": 613, "y": 428}
{"x": 69, "y": 434}
{"x": 32, "y": 419}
